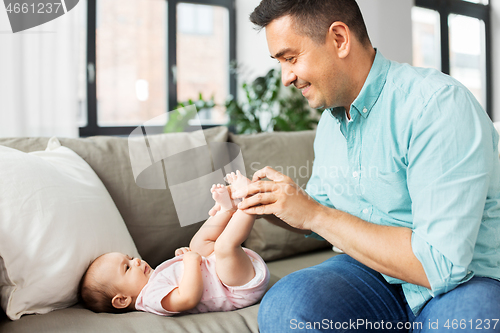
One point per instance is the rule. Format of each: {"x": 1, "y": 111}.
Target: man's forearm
{"x": 385, "y": 249}
{"x": 280, "y": 223}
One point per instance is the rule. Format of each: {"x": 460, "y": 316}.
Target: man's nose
{"x": 137, "y": 261}
{"x": 287, "y": 76}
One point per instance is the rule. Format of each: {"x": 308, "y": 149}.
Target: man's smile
{"x": 304, "y": 88}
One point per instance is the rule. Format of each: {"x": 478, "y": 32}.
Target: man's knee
{"x": 332, "y": 293}
{"x": 308, "y": 293}
{"x": 287, "y": 300}
{"x": 470, "y": 303}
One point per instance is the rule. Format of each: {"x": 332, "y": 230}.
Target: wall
{"x": 495, "y": 28}
{"x": 389, "y": 27}
{"x": 388, "y": 23}
{"x": 251, "y": 46}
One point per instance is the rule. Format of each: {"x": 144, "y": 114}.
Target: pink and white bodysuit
{"x": 216, "y": 295}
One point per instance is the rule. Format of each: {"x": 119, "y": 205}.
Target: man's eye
{"x": 289, "y": 59}
{"x": 127, "y": 267}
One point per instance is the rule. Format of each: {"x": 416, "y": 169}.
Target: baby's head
{"x": 113, "y": 281}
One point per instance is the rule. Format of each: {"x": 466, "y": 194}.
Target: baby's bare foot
{"x": 221, "y": 196}
{"x": 238, "y": 181}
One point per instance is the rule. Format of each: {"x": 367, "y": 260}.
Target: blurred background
{"x": 108, "y": 66}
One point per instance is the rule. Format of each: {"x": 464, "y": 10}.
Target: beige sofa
{"x": 152, "y": 221}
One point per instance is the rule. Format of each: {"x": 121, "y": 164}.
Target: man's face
{"x": 311, "y": 67}
{"x": 128, "y": 275}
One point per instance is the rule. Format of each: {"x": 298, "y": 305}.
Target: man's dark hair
{"x": 313, "y": 17}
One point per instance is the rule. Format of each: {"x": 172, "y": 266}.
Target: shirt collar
{"x": 371, "y": 89}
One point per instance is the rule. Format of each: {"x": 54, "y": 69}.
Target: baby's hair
{"x": 95, "y": 295}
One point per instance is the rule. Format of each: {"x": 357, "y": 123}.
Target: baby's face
{"x": 128, "y": 275}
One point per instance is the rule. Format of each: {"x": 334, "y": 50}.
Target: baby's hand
{"x": 182, "y": 250}
{"x": 192, "y": 256}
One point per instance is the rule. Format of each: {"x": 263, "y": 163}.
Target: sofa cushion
{"x": 56, "y": 217}
{"x": 292, "y": 154}
{"x": 149, "y": 214}
{"x": 79, "y": 320}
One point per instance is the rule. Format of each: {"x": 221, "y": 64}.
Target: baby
{"x": 214, "y": 274}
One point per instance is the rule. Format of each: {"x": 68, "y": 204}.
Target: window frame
{"x": 92, "y": 127}
{"x": 470, "y": 9}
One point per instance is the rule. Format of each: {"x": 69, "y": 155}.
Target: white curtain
{"x": 41, "y": 77}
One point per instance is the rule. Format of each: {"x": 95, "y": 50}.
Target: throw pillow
{"x": 56, "y": 216}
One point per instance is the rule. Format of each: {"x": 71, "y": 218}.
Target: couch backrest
{"x": 150, "y": 215}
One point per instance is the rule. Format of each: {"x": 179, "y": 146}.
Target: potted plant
{"x": 268, "y": 106}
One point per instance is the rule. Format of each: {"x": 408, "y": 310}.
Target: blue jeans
{"x": 343, "y": 295}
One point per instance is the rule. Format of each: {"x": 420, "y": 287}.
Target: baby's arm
{"x": 188, "y": 294}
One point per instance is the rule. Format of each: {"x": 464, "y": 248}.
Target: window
{"x": 146, "y": 56}
{"x": 454, "y": 37}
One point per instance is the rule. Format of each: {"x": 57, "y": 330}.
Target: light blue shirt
{"x": 419, "y": 152}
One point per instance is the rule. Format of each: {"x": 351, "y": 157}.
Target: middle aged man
{"x": 406, "y": 181}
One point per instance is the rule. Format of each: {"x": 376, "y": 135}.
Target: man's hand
{"x": 280, "y": 197}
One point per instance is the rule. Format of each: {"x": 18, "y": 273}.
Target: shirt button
{"x": 365, "y": 211}
{"x": 365, "y": 110}
{"x": 355, "y": 174}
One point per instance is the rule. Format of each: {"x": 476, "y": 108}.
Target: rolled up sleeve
{"x": 449, "y": 170}
{"x": 315, "y": 188}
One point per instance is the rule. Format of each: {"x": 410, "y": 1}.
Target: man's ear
{"x": 339, "y": 35}
{"x": 121, "y": 301}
